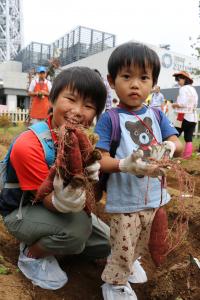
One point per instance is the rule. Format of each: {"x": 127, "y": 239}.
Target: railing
{"x": 16, "y": 116}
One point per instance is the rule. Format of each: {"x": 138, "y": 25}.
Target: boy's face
{"x": 132, "y": 85}
{"x": 71, "y": 107}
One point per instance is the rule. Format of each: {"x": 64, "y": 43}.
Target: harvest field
{"x": 177, "y": 279}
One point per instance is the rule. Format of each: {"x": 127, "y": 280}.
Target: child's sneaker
{"x": 118, "y": 292}
{"x": 43, "y": 272}
{"x": 139, "y": 274}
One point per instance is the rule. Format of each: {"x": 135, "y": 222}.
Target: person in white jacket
{"x": 185, "y": 107}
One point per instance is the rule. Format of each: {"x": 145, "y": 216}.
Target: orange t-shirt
{"x": 28, "y": 159}
{"x": 40, "y": 106}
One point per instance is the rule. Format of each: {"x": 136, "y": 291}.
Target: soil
{"x": 177, "y": 279}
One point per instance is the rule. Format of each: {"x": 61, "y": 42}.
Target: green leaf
{"x": 4, "y": 270}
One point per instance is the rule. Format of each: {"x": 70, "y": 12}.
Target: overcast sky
{"x": 150, "y": 21}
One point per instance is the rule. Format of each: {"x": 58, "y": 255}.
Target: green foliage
{"x": 3, "y": 269}
{"x": 195, "y": 141}
{"x": 5, "y": 121}
{"x": 12, "y": 131}
{"x": 195, "y": 45}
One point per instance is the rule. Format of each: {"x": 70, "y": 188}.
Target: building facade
{"x": 14, "y": 83}
{"x": 171, "y": 62}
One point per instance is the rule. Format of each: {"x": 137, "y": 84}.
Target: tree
{"x": 195, "y": 45}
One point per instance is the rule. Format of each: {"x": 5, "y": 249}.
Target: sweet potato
{"x": 158, "y": 243}
{"x": 47, "y": 186}
{"x": 89, "y": 155}
{"x": 72, "y": 160}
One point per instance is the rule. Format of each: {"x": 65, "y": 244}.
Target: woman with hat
{"x": 185, "y": 106}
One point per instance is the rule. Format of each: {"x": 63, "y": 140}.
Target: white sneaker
{"x": 139, "y": 274}
{"x": 118, "y": 292}
{"x": 43, "y": 272}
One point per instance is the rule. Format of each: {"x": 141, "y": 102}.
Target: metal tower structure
{"x": 11, "y": 29}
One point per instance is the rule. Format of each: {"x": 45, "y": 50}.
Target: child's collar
{"x": 121, "y": 105}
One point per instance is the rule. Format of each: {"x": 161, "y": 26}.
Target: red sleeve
{"x": 27, "y": 158}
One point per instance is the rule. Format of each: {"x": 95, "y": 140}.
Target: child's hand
{"x": 134, "y": 164}
{"x": 67, "y": 199}
{"x": 163, "y": 151}
{"x": 93, "y": 171}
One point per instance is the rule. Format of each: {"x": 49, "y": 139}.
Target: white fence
{"x": 16, "y": 116}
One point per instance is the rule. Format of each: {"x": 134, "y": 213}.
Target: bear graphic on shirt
{"x": 141, "y": 134}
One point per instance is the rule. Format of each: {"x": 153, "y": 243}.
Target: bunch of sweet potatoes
{"x": 74, "y": 153}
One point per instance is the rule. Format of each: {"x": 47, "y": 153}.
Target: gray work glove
{"x": 162, "y": 151}
{"x": 67, "y": 199}
{"x": 93, "y": 171}
{"x": 134, "y": 164}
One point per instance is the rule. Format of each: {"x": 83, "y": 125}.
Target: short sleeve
{"x": 32, "y": 86}
{"x": 27, "y": 158}
{"x": 104, "y": 129}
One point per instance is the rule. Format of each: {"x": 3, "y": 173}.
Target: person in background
{"x": 115, "y": 102}
{"x": 148, "y": 99}
{"x": 58, "y": 224}
{"x": 185, "y": 107}
{"x": 39, "y": 90}
{"x": 157, "y": 98}
{"x": 133, "y": 70}
{"x": 168, "y": 110}
{"x": 166, "y": 106}
{"x": 109, "y": 99}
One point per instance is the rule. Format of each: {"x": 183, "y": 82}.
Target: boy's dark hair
{"x": 134, "y": 53}
{"x": 97, "y": 71}
{"x": 85, "y": 81}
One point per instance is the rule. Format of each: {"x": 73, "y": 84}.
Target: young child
{"x": 58, "y": 225}
{"x": 132, "y": 194}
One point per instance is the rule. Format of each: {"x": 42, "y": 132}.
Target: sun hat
{"x": 184, "y": 74}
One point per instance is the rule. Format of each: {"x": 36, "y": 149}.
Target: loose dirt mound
{"x": 177, "y": 279}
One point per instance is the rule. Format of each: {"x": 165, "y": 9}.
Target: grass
{"x": 7, "y": 134}
{"x": 3, "y": 269}
{"x": 196, "y": 141}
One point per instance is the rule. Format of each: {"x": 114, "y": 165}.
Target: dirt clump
{"x": 177, "y": 279}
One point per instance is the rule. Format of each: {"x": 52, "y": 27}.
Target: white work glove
{"x": 67, "y": 199}
{"x": 134, "y": 164}
{"x": 92, "y": 171}
{"x": 162, "y": 151}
